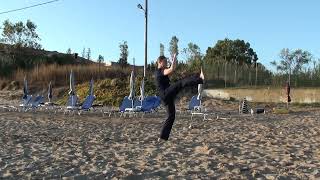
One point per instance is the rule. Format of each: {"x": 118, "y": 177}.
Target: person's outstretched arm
{"x": 170, "y": 70}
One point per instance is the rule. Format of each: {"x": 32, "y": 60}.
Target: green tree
{"x": 193, "y": 56}
{"x": 89, "y": 54}
{"x": 69, "y": 51}
{"x": 161, "y": 49}
{"x": 255, "y": 61}
{"x": 292, "y": 62}
{"x": 83, "y": 53}
{"x": 219, "y": 54}
{"x": 235, "y": 52}
{"x": 174, "y": 49}
{"x": 192, "y": 52}
{"x": 243, "y": 55}
{"x": 124, "y": 53}
{"x": 20, "y": 34}
{"x": 100, "y": 61}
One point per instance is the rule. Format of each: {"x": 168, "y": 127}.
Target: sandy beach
{"x": 38, "y": 145}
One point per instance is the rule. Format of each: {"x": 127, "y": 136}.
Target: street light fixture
{"x": 145, "y": 10}
{"x": 140, "y": 7}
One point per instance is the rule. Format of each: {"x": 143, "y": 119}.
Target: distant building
{"x": 116, "y": 64}
{"x": 111, "y": 63}
{"x": 108, "y": 63}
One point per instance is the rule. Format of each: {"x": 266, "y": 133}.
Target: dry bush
{"x": 59, "y": 74}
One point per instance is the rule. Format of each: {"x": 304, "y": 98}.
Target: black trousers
{"x": 168, "y": 97}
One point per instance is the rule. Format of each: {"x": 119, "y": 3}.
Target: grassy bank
{"x": 110, "y": 92}
{"x": 39, "y": 78}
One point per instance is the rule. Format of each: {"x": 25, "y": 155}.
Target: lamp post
{"x": 145, "y": 10}
{"x": 256, "y": 67}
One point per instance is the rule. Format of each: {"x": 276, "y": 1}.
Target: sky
{"x": 102, "y": 25}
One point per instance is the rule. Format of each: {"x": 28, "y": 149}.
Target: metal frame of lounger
{"x": 26, "y": 103}
{"x": 71, "y": 104}
{"x": 127, "y": 107}
{"x": 4, "y": 108}
{"x": 197, "y": 109}
{"x": 138, "y": 109}
{"x": 129, "y": 112}
{"x": 200, "y": 113}
{"x": 87, "y": 105}
{"x": 109, "y": 111}
{"x": 35, "y": 103}
{"x": 81, "y": 109}
{"x": 50, "y": 106}
{"x": 10, "y": 108}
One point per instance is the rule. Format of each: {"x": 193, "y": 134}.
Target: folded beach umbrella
{"x": 88, "y": 102}
{"x": 25, "y": 88}
{"x": 50, "y": 92}
{"x": 288, "y": 92}
{"x": 199, "y": 91}
{"x": 72, "y": 89}
{"x": 132, "y": 95}
{"x": 142, "y": 90}
{"x": 91, "y": 88}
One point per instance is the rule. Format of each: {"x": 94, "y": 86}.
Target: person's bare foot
{"x": 161, "y": 140}
{"x": 201, "y": 74}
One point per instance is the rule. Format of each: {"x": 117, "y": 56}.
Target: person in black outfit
{"x": 169, "y": 92}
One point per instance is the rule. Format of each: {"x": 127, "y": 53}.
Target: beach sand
{"x": 37, "y": 145}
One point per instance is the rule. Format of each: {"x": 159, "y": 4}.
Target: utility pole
{"x": 225, "y": 71}
{"x": 146, "y": 40}
{"x": 145, "y": 9}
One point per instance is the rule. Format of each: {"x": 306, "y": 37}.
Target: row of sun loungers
{"x": 130, "y": 106}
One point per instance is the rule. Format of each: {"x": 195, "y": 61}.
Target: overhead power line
{"x": 40, "y": 4}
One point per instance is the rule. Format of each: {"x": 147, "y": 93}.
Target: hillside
{"x": 12, "y": 59}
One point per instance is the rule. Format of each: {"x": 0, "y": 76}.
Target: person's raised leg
{"x": 201, "y": 74}
{"x": 193, "y": 80}
{"x": 175, "y": 88}
{"x": 168, "y": 123}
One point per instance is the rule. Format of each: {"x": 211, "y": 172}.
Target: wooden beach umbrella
{"x": 288, "y": 92}
{"x": 71, "y": 85}
{"x": 91, "y": 87}
{"x": 25, "y": 88}
{"x": 287, "y": 89}
{"x": 142, "y": 90}
{"x": 50, "y": 92}
{"x": 200, "y": 88}
{"x": 132, "y": 85}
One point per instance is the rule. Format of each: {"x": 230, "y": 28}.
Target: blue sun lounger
{"x": 88, "y": 102}
{"x": 26, "y": 98}
{"x": 148, "y": 105}
{"x": 127, "y": 104}
{"x": 26, "y": 101}
{"x": 37, "y": 101}
{"x": 72, "y": 103}
{"x": 195, "y": 105}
